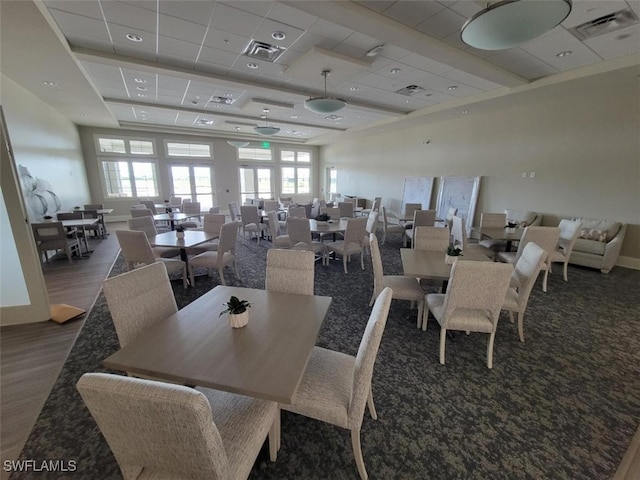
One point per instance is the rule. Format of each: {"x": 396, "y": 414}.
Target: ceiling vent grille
{"x": 221, "y": 100}
{"x": 606, "y": 24}
{"x": 263, "y": 51}
{"x": 410, "y": 90}
{"x": 242, "y": 124}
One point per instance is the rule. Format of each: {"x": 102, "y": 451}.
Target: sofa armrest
{"x": 612, "y": 250}
{"x": 537, "y": 221}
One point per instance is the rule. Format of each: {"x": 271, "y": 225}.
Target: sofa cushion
{"x": 523, "y": 218}
{"x": 593, "y": 234}
{"x": 608, "y": 226}
{"x": 589, "y": 246}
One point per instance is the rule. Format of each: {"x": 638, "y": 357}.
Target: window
{"x": 296, "y": 179}
{"x": 130, "y": 179}
{"x": 195, "y": 182}
{"x": 333, "y": 180}
{"x": 126, "y": 146}
{"x": 199, "y": 150}
{"x": 255, "y": 182}
{"x": 261, "y": 154}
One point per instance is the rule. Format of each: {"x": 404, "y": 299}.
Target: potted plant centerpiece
{"x": 452, "y": 254}
{"x": 511, "y": 226}
{"x": 238, "y": 311}
{"x": 322, "y": 219}
{"x": 180, "y": 231}
{"x": 47, "y": 218}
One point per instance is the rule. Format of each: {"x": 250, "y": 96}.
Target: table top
{"x": 191, "y": 239}
{"x": 80, "y": 222}
{"x": 165, "y": 217}
{"x": 101, "y": 211}
{"x": 431, "y": 264}
{"x": 498, "y": 233}
{"x": 166, "y": 205}
{"x": 265, "y": 359}
{"x": 330, "y": 227}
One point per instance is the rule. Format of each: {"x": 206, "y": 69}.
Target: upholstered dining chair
{"x": 211, "y": 223}
{"x": 271, "y": 205}
{"x": 137, "y": 251}
{"x": 290, "y": 271}
{"x": 569, "y": 230}
{"x": 175, "y": 201}
{"x": 493, "y": 220}
{"x": 388, "y": 228}
{"x": 375, "y": 206}
{"x": 299, "y": 232}
{"x": 297, "y": 212}
{"x": 351, "y": 244}
{"x": 141, "y": 212}
{"x": 545, "y": 237}
{"x": 277, "y": 239}
{"x": 234, "y": 211}
{"x": 192, "y": 209}
{"x": 421, "y": 218}
{"x": 150, "y": 205}
{"x": 459, "y": 238}
{"x": 161, "y": 430}
{"x": 431, "y": 238}
{"x": 336, "y": 387}
{"x": 346, "y": 209}
{"x": 223, "y": 256}
{"x": 148, "y": 226}
{"x": 97, "y": 206}
{"x": 251, "y": 223}
{"x": 138, "y": 299}
{"x": 409, "y": 210}
{"x": 372, "y": 227}
{"x": 523, "y": 278}
{"x": 403, "y": 287}
{"x": 51, "y": 236}
{"x": 333, "y": 212}
{"x": 472, "y": 303}
{"x": 98, "y": 227}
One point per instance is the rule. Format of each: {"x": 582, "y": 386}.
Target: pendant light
{"x": 325, "y": 104}
{"x": 238, "y": 143}
{"x": 266, "y": 130}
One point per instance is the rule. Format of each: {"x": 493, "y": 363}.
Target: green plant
{"x": 454, "y": 251}
{"x": 323, "y": 217}
{"x": 235, "y": 306}
{"x": 180, "y": 228}
{"x": 48, "y": 217}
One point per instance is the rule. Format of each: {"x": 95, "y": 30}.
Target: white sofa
{"x": 598, "y": 244}
{"x": 524, "y": 218}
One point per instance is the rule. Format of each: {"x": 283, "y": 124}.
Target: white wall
{"x": 581, "y": 138}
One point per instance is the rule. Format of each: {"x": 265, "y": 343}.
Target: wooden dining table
{"x": 81, "y": 223}
{"x": 265, "y": 359}
{"x": 191, "y": 238}
{"x": 172, "y": 218}
{"x": 431, "y": 264}
{"x": 510, "y": 235}
{"x": 330, "y": 227}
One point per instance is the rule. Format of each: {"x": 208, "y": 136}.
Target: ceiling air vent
{"x": 221, "y": 100}
{"x": 263, "y": 51}
{"x": 606, "y": 24}
{"x": 410, "y": 90}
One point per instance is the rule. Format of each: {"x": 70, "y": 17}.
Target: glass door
{"x": 195, "y": 183}
{"x": 255, "y": 182}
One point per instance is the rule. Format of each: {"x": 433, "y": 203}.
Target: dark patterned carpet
{"x": 564, "y": 405}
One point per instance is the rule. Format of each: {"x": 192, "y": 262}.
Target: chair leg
{"x": 425, "y": 318}
{"x": 273, "y": 437}
{"x": 420, "y": 310}
{"x": 373, "y": 297}
{"x": 521, "y": 326}
{"x": 490, "y": 349}
{"x": 544, "y": 281}
{"x": 511, "y": 316}
{"x": 443, "y": 339}
{"x": 344, "y": 262}
{"x": 221, "y": 273}
{"x": 372, "y": 407}
{"x": 185, "y": 281}
{"x": 192, "y": 276}
{"x": 564, "y": 271}
{"x": 362, "y": 259}
{"x": 357, "y": 453}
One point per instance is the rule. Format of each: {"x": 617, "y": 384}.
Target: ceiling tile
{"x": 177, "y": 48}
{"x": 413, "y": 12}
{"x": 127, "y": 15}
{"x": 230, "y": 19}
{"x": 181, "y": 29}
{"x": 218, "y": 57}
{"x": 87, "y": 8}
{"x": 616, "y": 44}
{"x": 257, "y": 7}
{"x": 588, "y": 10}
{"x": 291, "y": 16}
{"x": 330, "y": 30}
{"x": 377, "y": 5}
{"x": 442, "y": 24}
{"x": 268, "y": 27}
{"x": 81, "y": 26}
{"x": 198, "y": 12}
{"x": 226, "y": 41}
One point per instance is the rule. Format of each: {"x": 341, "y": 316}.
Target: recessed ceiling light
{"x": 354, "y": 89}
{"x": 194, "y": 102}
{"x": 333, "y": 117}
{"x": 139, "y": 80}
{"x": 395, "y": 70}
{"x": 278, "y": 35}
{"x": 143, "y": 112}
{"x": 293, "y": 117}
{"x": 227, "y": 94}
{"x": 143, "y": 95}
{"x": 464, "y": 112}
{"x": 408, "y": 101}
{"x": 566, "y": 53}
{"x": 452, "y": 87}
{"x": 205, "y": 121}
{"x": 134, "y": 37}
{"x": 141, "y": 88}
{"x": 252, "y": 65}
{"x": 49, "y": 83}
{"x": 428, "y": 94}
{"x": 226, "y": 42}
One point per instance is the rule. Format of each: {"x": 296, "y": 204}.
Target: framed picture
{"x": 417, "y": 190}
{"x": 460, "y": 193}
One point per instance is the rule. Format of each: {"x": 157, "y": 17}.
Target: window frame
{"x": 129, "y": 161}
{"x": 127, "y": 146}
{"x": 169, "y": 157}
{"x": 296, "y": 164}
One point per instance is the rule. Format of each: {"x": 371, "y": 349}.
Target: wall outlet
{"x": 524, "y": 174}
{"x": 532, "y": 175}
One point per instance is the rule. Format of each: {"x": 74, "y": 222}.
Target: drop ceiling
{"x": 181, "y": 64}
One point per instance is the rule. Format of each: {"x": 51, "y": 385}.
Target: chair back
{"x": 410, "y": 209}
{"x": 479, "y": 286}
{"x": 139, "y": 299}
{"x": 355, "y": 231}
{"x": 366, "y": 358}
{"x": 274, "y": 224}
{"x": 93, "y": 206}
{"x": 215, "y": 209}
{"x": 249, "y": 215}
{"x": 227, "y": 239}
{"x": 424, "y": 218}
{"x": 376, "y": 204}
{"x": 271, "y": 205}
{"x": 333, "y": 212}
{"x": 385, "y": 220}
{"x": 568, "y": 235}
{"x": 191, "y": 208}
{"x": 545, "y": 237}
{"x": 141, "y": 212}
{"x": 450, "y": 214}
{"x": 376, "y": 260}
{"x": 175, "y": 201}
{"x": 346, "y": 209}
{"x": 91, "y": 214}
{"x": 212, "y": 222}
{"x": 526, "y": 272}
{"x": 143, "y": 224}
{"x": 430, "y": 238}
{"x": 297, "y": 212}
{"x": 493, "y": 220}
{"x": 372, "y": 222}
{"x": 70, "y": 216}
{"x": 459, "y": 239}
{"x": 299, "y": 231}
{"x": 135, "y": 248}
{"x": 165, "y": 429}
{"x": 285, "y": 201}
{"x": 49, "y": 235}
{"x": 150, "y": 205}
{"x": 290, "y": 271}
{"x": 234, "y": 211}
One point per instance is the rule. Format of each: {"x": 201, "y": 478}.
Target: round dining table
{"x": 330, "y": 227}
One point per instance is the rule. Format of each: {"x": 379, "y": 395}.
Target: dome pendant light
{"x": 325, "y": 104}
{"x": 266, "y": 130}
{"x": 508, "y": 23}
{"x": 238, "y": 143}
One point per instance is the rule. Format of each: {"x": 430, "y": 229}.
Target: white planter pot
{"x": 180, "y": 234}
{"x": 239, "y": 320}
{"x": 449, "y": 259}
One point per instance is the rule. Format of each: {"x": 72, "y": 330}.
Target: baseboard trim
{"x": 628, "y": 262}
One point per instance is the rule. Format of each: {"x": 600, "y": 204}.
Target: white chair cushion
{"x": 404, "y": 288}
{"x": 511, "y": 300}
{"x": 589, "y": 246}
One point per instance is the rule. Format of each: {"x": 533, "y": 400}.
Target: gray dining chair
{"x": 225, "y": 254}
{"x": 290, "y": 271}
{"x": 352, "y": 243}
